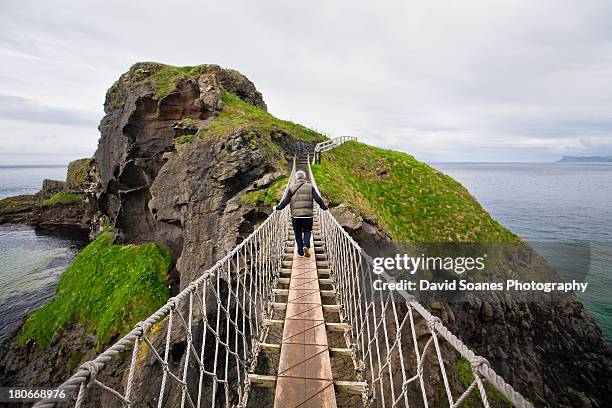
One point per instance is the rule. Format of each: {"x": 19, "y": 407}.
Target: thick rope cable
{"x": 239, "y": 289}
{"x": 267, "y": 263}
{"x": 334, "y": 236}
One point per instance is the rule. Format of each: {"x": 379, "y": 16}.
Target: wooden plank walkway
{"x": 304, "y": 373}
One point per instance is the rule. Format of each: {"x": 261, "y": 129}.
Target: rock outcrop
{"x": 364, "y": 231}
{"x": 80, "y": 175}
{"x": 58, "y": 203}
{"x": 160, "y": 183}
{"x": 50, "y": 188}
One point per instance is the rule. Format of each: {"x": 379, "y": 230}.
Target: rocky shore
{"x": 58, "y": 203}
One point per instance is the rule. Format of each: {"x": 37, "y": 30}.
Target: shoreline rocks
{"x": 69, "y": 202}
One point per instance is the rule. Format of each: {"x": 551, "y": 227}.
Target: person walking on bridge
{"x": 300, "y": 194}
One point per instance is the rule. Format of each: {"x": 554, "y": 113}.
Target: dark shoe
{"x": 300, "y": 253}
{"x": 306, "y": 253}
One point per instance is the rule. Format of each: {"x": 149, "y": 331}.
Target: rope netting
{"x": 198, "y": 349}
{"x": 396, "y": 343}
{"x": 213, "y": 329}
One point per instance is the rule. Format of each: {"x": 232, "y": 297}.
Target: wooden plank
{"x": 340, "y": 352}
{"x": 304, "y": 372}
{"x": 351, "y": 387}
{"x": 267, "y": 381}
{"x": 273, "y": 323}
{"x": 337, "y": 327}
{"x": 332, "y": 308}
{"x": 270, "y": 347}
{"x": 278, "y": 306}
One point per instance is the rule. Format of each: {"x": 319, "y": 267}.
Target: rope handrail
{"x": 205, "y": 341}
{"x": 250, "y": 271}
{"x": 351, "y": 268}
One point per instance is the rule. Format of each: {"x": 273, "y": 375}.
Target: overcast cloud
{"x": 445, "y": 81}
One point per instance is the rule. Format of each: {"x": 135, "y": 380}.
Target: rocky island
{"x": 189, "y": 162}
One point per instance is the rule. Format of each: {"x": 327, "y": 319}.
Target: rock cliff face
{"x": 162, "y": 179}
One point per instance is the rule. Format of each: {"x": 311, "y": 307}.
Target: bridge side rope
{"x": 225, "y": 308}
{"x": 379, "y": 322}
{"x": 328, "y": 145}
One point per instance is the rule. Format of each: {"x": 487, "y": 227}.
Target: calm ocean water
{"x": 31, "y": 262}
{"x": 16, "y": 180}
{"x": 31, "y": 259}
{"x": 548, "y": 203}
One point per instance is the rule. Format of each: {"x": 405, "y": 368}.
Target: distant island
{"x": 586, "y": 159}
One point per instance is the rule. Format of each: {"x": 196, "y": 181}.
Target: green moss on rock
{"x": 17, "y": 204}
{"x": 74, "y": 361}
{"x": 410, "y": 200}
{"x": 62, "y": 198}
{"x": 183, "y": 139}
{"x": 76, "y": 177}
{"x": 269, "y": 196}
{"x": 113, "y": 96}
{"x": 187, "y": 123}
{"x": 466, "y": 377}
{"x": 107, "y": 288}
{"x": 164, "y": 80}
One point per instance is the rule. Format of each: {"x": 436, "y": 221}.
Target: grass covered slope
{"x": 238, "y": 114}
{"x": 107, "y": 288}
{"x": 410, "y": 200}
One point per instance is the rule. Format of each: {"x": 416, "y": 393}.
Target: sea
{"x": 31, "y": 258}
{"x": 557, "y": 207}
{"x": 564, "y": 203}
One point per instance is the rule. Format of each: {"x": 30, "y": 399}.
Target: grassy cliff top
{"x": 107, "y": 288}
{"x": 164, "y": 80}
{"x": 257, "y": 126}
{"x": 237, "y": 114}
{"x": 410, "y": 200}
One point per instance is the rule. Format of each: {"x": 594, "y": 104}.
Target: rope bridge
{"x": 377, "y": 326}
{"x": 218, "y": 342}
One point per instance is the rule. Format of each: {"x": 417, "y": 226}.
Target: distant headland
{"x": 586, "y": 159}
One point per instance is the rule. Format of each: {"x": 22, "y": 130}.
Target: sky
{"x": 442, "y": 80}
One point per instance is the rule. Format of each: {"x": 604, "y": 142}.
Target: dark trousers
{"x": 302, "y": 229}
